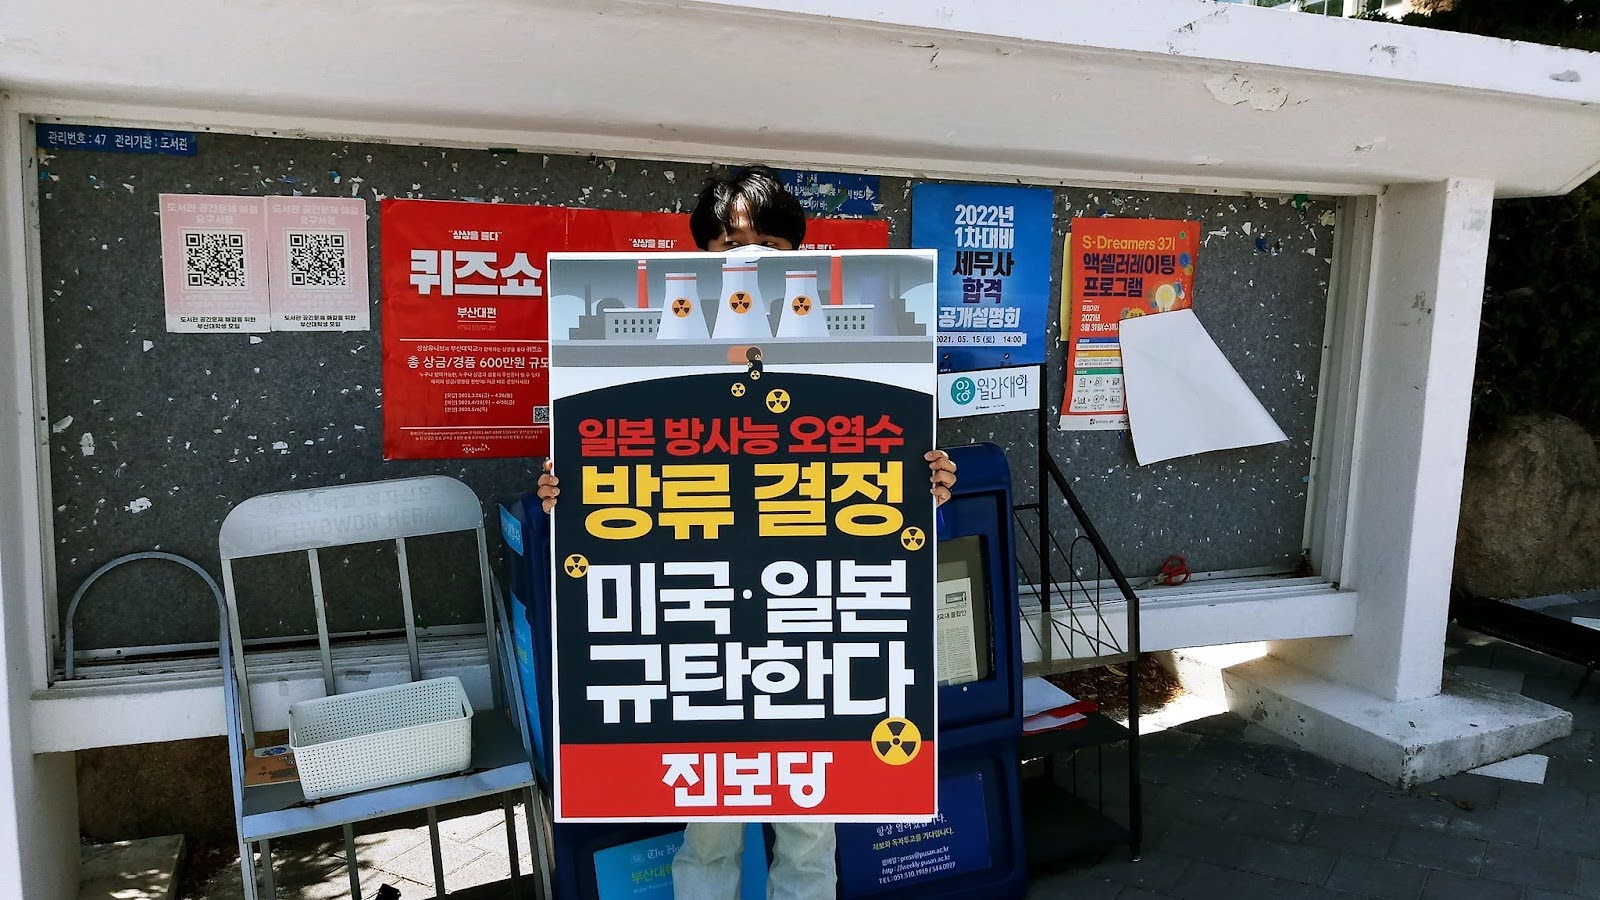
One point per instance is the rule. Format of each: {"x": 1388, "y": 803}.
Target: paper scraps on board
{"x": 1183, "y": 396}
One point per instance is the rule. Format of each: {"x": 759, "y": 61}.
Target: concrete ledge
{"x": 1465, "y": 726}
{"x": 115, "y": 704}
{"x": 1195, "y": 614}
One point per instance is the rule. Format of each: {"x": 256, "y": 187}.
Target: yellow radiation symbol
{"x": 755, "y": 374}
{"x": 778, "y": 400}
{"x": 913, "y": 538}
{"x": 577, "y": 565}
{"x": 682, "y": 306}
{"x": 896, "y": 741}
{"x": 738, "y": 389}
{"x": 801, "y": 305}
{"x": 739, "y": 302}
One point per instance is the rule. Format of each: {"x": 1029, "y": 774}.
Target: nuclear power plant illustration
{"x": 741, "y": 299}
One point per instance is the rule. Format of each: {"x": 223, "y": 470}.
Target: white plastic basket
{"x": 368, "y": 739}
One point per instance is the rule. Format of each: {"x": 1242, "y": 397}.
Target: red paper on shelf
{"x": 1073, "y": 715}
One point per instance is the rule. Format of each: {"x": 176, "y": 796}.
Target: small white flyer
{"x": 317, "y": 248}
{"x": 214, "y": 263}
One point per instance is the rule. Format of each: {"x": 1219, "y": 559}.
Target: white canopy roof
{"x": 1185, "y": 92}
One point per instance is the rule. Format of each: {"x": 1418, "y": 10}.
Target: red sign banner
{"x": 465, "y": 355}
{"x": 464, "y": 315}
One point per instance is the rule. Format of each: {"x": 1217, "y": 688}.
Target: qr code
{"x": 318, "y": 259}
{"x": 541, "y": 415}
{"x": 214, "y": 260}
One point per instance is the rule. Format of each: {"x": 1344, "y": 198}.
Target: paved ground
{"x": 1231, "y": 814}
{"x": 473, "y": 849}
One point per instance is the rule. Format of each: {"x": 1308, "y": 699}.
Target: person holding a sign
{"x": 752, "y": 208}
{"x": 749, "y": 209}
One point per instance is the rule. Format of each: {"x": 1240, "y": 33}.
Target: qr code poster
{"x": 214, "y": 263}
{"x": 743, "y": 557}
{"x": 317, "y": 247}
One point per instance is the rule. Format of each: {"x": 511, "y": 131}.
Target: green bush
{"x": 1539, "y": 350}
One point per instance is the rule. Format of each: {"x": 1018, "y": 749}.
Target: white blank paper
{"x": 1182, "y": 395}
{"x": 1040, "y": 696}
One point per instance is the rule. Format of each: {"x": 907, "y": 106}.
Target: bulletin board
{"x": 1261, "y": 291}
{"x": 184, "y": 427}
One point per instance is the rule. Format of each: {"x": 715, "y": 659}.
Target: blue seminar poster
{"x": 994, "y": 248}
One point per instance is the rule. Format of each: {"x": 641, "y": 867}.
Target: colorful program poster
{"x": 214, "y": 263}
{"x": 743, "y": 563}
{"x": 317, "y": 247}
{"x": 994, "y": 271}
{"x": 464, "y": 316}
{"x": 1117, "y": 269}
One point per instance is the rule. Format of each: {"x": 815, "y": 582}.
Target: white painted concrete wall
{"x": 1420, "y": 348}
{"x": 38, "y": 792}
{"x": 1231, "y": 33}
{"x": 1206, "y": 94}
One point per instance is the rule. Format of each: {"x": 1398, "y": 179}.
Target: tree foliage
{"x": 1539, "y": 350}
{"x": 1561, "y": 23}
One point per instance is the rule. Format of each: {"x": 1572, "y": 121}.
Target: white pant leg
{"x": 707, "y": 865}
{"x": 803, "y": 866}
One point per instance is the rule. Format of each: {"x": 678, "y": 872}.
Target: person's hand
{"x": 549, "y": 490}
{"x": 942, "y": 472}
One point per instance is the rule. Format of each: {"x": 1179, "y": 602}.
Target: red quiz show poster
{"x": 465, "y": 355}
{"x": 465, "y": 314}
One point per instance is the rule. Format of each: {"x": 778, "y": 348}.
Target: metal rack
{"x": 1083, "y": 615}
{"x": 307, "y": 522}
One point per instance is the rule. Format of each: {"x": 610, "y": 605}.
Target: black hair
{"x": 773, "y": 210}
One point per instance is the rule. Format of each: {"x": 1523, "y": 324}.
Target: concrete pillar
{"x": 38, "y": 792}
{"x": 1375, "y": 700}
{"x": 1430, "y": 248}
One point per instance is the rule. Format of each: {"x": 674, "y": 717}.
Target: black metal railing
{"x": 1079, "y": 586}
{"x": 1075, "y": 584}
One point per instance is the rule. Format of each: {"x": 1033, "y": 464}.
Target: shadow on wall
{"x": 148, "y": 790}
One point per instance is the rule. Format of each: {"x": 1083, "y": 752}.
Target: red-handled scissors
{"x": 1174, "y": 571}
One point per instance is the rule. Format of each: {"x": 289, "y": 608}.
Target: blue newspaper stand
{"x": 975, "y": 847}
{"x": 976, "y": 543}
{"x": 592, "y": 862}
{"x": 525, "y": 528}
